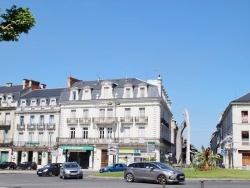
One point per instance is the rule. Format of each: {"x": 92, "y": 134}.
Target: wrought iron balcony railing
{"x": 104, "y": 120}
{"x": 71, "y": 121}
{"x": 31, "y": 127}
{"x": 126, "y": 119}
{"x": 20, "y": 127}
{"x": 84, "y": 121}
{"x": 141, "y": 119}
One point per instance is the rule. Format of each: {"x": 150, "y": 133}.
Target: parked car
{"x": 8, "y": 165}
{"x": 49, "y": 169}
{"x": 70, "y": 170}
{"x": 27, "y": 165}
{"x": 114, "y": 168}
{"x": 153, "y": 171}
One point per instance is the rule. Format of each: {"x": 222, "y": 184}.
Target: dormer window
{"x": 9, "y": 99}
{"x": 142, "y": 91}
{"x": 53, "y": 102}
{"x": 86, "y": 93}
{"x": 43, "y": 102}
{"x": 33, "y": 103}
{"x": 106, "y": 92}
{"x": 127, "y": 93}
{"x": 23, "y": 103}
{"x": 74, "y": 94}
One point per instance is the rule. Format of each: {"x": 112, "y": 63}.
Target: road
{"x": 31, "y": 180}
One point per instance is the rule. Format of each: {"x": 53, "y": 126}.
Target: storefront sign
{"x": 91, "y": 148}
{"x": 136, "y": 150}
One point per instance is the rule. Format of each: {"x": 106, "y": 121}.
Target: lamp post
{"x": 115, "y": 103}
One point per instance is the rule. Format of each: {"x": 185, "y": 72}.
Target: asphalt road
{"x": 31, "y": 180}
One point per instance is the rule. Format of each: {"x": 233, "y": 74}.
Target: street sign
{"x": 150, "y": 147}
{"x": 113, "y": 149}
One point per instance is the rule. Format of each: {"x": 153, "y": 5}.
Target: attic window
{"x": 142, "y": 91}
{"x": 43, "y": 102}
{"x": 127, "y": 92}
{"x": 33, "y": 103}
{"x": 106, "y": 92}
{"x": 52, "y": 102}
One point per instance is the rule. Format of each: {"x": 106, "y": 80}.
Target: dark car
{"x": 27, "y": 165}
{"x": 70, "y": 170}
{"x": 114, "y": 168}
{"x": 49, "y": 169}
{"x": 153, "y": 171}
{"x": 8, "y": 165}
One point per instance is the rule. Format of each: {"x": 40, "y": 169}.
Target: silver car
{"x": 153, "y": 171}
{"x": 70, "y": 170}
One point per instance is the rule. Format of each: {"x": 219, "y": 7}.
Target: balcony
{"x": 141, "y": 120}
{"x": 51, "y": 126}
{"x": 21, "y": 127}
{"x": 72, "y": 121}
{"x": 127, "y": 120}
{"x": 84, "y": 121}
{"x": 41, "y": 126}
{"x": 79, "y": 141}
{"x": 31, "y": 127}
{"x": 104, "y": 120}
{"x": 5, "y": 142}
{"x": 5, "y": 125}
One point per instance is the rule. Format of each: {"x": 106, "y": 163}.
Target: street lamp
{"x": 115, "y": 103}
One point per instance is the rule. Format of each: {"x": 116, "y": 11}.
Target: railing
{"x": 141, "y": 119}
{"x": 20, "y": 127}
{"x": 40, "y": 126}
{"x": 6, "y": 140}
{"x": 5, "y": 122}
{"x": 31, "y": 127}
{"x": 51, "y": 126}
{"x": 72, "y": 120}
{"x": 104, "y": 120}
{"x": 126, "y": 119}
{"x": 33, "y": 143}
{"x": 84, "y": 121}
{"x": 97, "y": 140}
{"x": 47, "y": 107}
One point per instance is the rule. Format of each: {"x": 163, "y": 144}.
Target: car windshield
{"x": 71, "y": 165}
{"x": 162, "y": 165}
{"x": 47, "y": 166}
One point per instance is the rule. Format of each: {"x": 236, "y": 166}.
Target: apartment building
{"x": 9, "y": 96}
{"x": 115, "y": 120}
{"x": 231, "y": 138}
{"x": 36, "y": 126}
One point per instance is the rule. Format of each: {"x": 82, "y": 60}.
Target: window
{"x": 52, "y": 102}
{"x": 127, "y": 95}
{"x": 31, "y": 136}
{"x": 42, "y": 120}
{"x": 33, "y": 103}
{"x": 101, "y": 132}
{"x": 20, "y": 137}
{"x": 72, "y": 132}
{"x": 23, "y": 103}
{"x": 244, "y": 116}
{"x": 141, "y": 132}
{"x": 86, "y": 94}
{"x": 102, "y": 112}
{"x": 73, "y": 114}
{"x": 74, "y": 95}
{"x": 109, "y": 129}
{"x": 7, "y": 118}
{"x": 85, "y": 113}
{"x": 85, "y": 133}
{"x": 51, "y": 119}
{"x": 106, "y": 92}
{"x": 110, "y": 112}
{"x": 43, "y": 102}
{"x": 40, "y": 137}
{"x": 126, "y": 132}
{"x": 245, "y": 138}
{"x": 32, "y": 120}
{"x": 142, "y": 112}
{"x": 51, "y": 138}
{"x": 21, "y": 121}
{"x": 142, "y": 91}
{"x": 9, "y": 99}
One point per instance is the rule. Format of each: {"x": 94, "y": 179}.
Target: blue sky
{"x": 200, "y": 48}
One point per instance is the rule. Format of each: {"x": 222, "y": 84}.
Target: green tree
{"x": 15, "y": 22}
{"x": 205, "y": 158}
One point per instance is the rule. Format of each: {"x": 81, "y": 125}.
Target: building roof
{"x": 11, "y": 89}
{"x": 245, "y": 98}
{"x": 43, "y": 93}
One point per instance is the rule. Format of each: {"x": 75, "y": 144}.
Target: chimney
{"x": 71, "y": 81}
{"x": 43, "y": 86}
{"x": 9, "y": 84}
{"x": 159, "y": 85}
{"x": 25, "y": 83}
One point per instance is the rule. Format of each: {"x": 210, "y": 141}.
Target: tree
{"x": 15, "y": 22}
{"x": 205, "y": 158}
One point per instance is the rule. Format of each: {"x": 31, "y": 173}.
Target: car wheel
{"x": 8, "y": 168}
{"x": 161, "y": 179}
{"x": 80, "y": 177}
{"x": 39, "y": 175}
{"x": 18, "y": 168}
{"x": 29, "y": 168}
{"x": 129, "y": 177}
{"x": 50, "y": 174}
{"x": 56, "y": 174}
{"x": 64, "y": 177}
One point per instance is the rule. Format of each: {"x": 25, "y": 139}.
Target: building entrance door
{"x": 245, "y": 159}
{"x": 104, "y": 161}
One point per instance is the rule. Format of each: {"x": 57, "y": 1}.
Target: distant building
{"x": 231, "y": 139}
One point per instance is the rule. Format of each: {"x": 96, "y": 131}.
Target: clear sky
{"x": 201, "y": 49}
